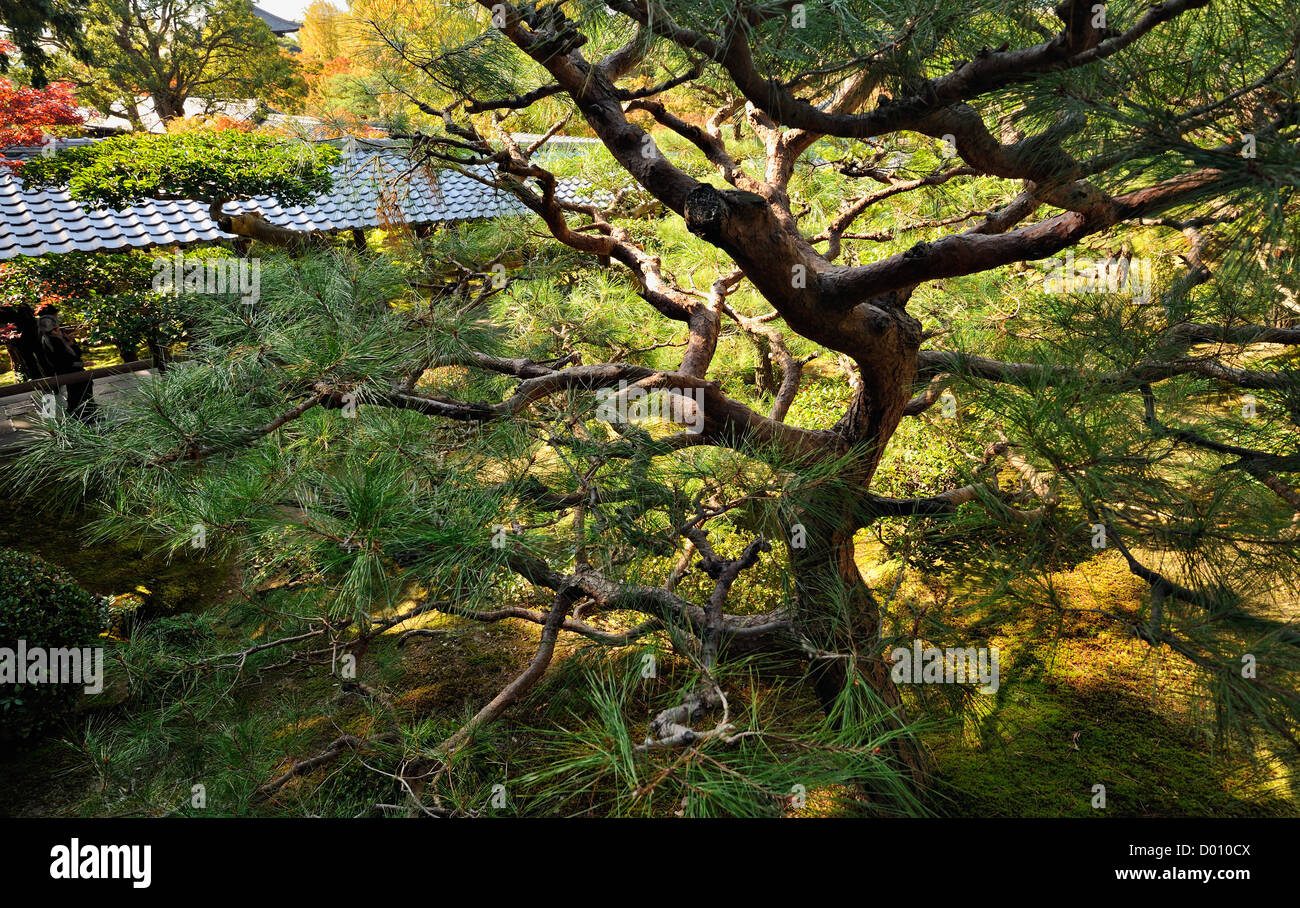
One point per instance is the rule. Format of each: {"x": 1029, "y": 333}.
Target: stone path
{"x": 18, "y": 413}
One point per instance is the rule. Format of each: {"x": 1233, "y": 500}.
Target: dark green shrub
{"x": 42, "y": 606}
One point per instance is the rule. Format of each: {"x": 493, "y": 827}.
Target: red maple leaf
{"x": 26, "y": 113}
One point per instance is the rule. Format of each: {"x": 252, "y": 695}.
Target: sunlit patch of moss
{"x": 163, "y": 587}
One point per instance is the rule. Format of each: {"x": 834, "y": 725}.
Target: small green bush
{"x": 44, "y": 607}
{"x": 209, "y": 165}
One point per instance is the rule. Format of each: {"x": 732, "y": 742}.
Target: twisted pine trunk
{"x": 837, "y": 610}
{"x": 839, "y": 615}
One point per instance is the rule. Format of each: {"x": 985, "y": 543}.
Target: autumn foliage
{"x": 26, "y": 113}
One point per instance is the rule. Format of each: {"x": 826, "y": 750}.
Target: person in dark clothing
{"x": 24, "y": 347}
{"x": 63, "y": 357}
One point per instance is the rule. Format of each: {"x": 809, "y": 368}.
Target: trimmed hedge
{"x": 43, "y": 606}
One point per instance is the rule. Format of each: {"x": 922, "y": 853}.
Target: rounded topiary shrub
{"x": 41, "y": 606}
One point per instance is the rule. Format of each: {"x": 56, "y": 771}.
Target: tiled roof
{"x": 39, "y": 223}
{"x": 373, "y": 181}
{"x": 277, "y": 24}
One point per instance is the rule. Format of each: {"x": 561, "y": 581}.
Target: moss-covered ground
{"x": 1082, "y": 706}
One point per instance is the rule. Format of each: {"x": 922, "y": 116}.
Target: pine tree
{"x": 1001, "y": 286}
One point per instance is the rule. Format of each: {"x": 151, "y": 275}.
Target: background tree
{"x": 867, "y": 187}
{"x": 354, "y": 58}
{"x": 324, "y": 59}
{"x": 174, "y": 50}
{"x": 29, "y": 23}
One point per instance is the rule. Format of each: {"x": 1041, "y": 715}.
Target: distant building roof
{"x": 374, "y": 181}
{"x": 278, "y": 26}
{"x": 242, "y": 109}
{"x": 298, "y": 125}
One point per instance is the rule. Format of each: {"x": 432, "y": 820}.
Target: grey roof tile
{"x": 373, "y": 181}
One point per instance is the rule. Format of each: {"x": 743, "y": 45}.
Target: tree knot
{"x": 704, "y": 209}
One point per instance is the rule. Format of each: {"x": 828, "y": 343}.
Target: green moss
{"x": 182, "y": 585}
{"x": 1046, "y": 743}
{"x": 1086, "y": 705}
